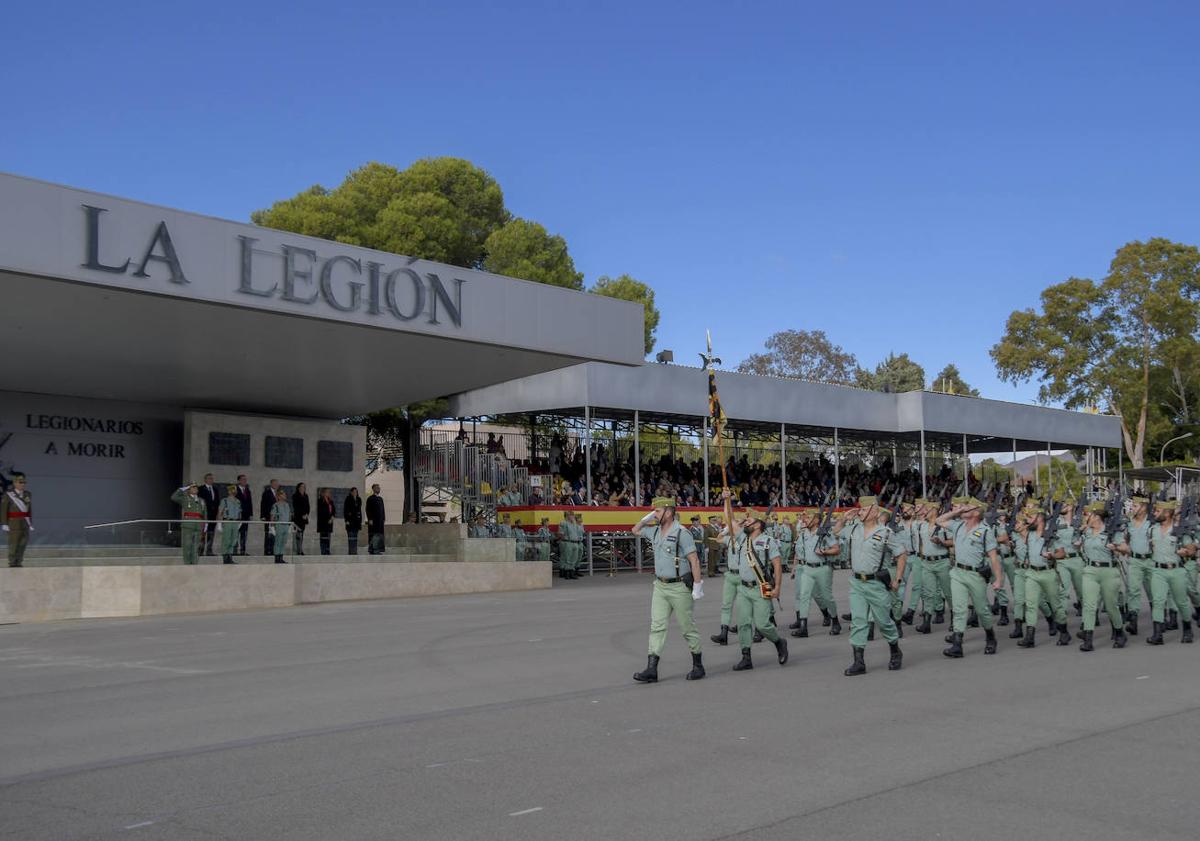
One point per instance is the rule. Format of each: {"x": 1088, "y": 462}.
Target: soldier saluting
{"x": 16, "y": 515}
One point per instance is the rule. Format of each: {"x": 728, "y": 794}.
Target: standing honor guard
{"x": 16, "y": 516}
{"x": 677, "y": 585}
{"x": 229, "y": 517}
{"x": 193, "y": 511}
{"x": 871, "y": 592}
{"x": 1101, "y": 575}
{"x": 1042, "y": 584}
{"x": 761, "y": 570}
{"x": 1171, "y": 549}
{"x": 815, "y": 552}
{"x": 543, "y": 541}
{"x": 974, "y": 548}
{"x": 281, "y": 520}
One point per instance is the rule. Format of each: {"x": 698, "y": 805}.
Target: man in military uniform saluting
{"x": 193, "y": 511}
{"x": 871, "y": 597}
{"x": 974, "y": 549}
{"x": 16, "y": 515}
{"x": 677, "y": 585}
{"x": 814, "y": 574}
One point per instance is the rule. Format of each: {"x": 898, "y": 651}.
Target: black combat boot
{"x": 781, "y": 650}
{"x": 650, "y": 675}
{"x": 955, "y": 649}
{"x": 835, "y": 628}
{"x": 1003, "y": 620}
{"x": 1051, "y": 627}
{"x": 1155, "y": 637}
{"x": 745, "y": 663}
{"x": 925, "y": 626}
{"x": 795, "y": 624}
{"x": 896, "y": 659}
{"x": 990, "y": 646}
{"x": 697, "y": 671}
{"x": 846, "y": 617}
{"x": 996, "y": 607}
{"x": 858, "y": 667}
{"x": 1064, "y": 636}
{"x": 1119, "y": 638}
{"x": 758, "y": 637}
{"x": 1078, "y": 609}
{"x": 907, "y": 618}
{"x": 939, "y": 617}
{"x": 1196, "y": 614}
{"x": 1086, "y": 645}
{"x": 1187, "y": 633}
{"x": 1018, "y": 630}
{"x": 972, "y": 617}
{"x": 1131, "y": 626}
{"x": 871, "y": 632}
{"x": 1172, "y": 621}
{"x": 801, "y": 628}
{"x": 723, "y": 637}
{"x": 826, "y": 619}
{"x": 899, "y": 629}
{"x": 1029, "y": 641}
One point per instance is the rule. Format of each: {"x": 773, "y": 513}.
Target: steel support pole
{"x": 924, "y": 491}
{"x": 783, "y": 465}
{"x": 706, "y": 502}
{"x": 587, "y": 449}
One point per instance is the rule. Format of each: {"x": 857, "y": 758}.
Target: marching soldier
{"x": 1101, "y": 576}
{"x": 974, "y": 548}
{"x": 781, "y": 530}
{"x": 759, "y": 557}
{"x": 1140, "y": 565}
{"x": 1004, "y": 547}
{"x": 1170, "y": 551}
{"x": 914, "y": 570}
{"x": 16, "y": 516}
{"x": 281, "y": 524}
{"x": 229, "y": 515}
{"x": 193, "y": 512}
{"x": 697, "y": 531}
{"x": 731, "y": 536}
{"x": 677, "y": 585}
{"x": 932, "y": 542}
{"x": 870, "y": 540}
{"x": 1041, "y": 581}
{"x": 814, "y": 574}
{"x": 1065, "y": 551}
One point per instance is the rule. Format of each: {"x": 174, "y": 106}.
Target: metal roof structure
{"x": 674, "y": 394}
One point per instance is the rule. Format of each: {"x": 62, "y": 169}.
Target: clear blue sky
{"x": 901, "y": 175}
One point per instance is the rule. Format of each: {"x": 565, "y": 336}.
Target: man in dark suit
{"x": 265, "y": 503}
{"x": 375, "y": 522}
{"x": 212, "y": 502}
{"x": 246, "y": 498}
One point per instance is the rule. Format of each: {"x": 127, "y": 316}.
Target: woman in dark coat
{"x": 326, "y": 511}
{"x": 353, "y": 516}
{"x": 300, "y": 511}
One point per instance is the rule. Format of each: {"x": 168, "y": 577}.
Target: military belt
{"x": 817, "y": 566}
{"x": 24, "y": 515}
{"x": 1069, "y": 556}
{"x": 861, "y": 577}
{"x": 1046, "y": 568}
{"x": 1141, "y": 557}
{"x": 967, "y": 568}
{"x": 933, "y": 557}
{"x": 668, "y": 580}
{"x": 1102, "y": 563}
{"x": 1168, "y": 566}
{"x": 187, "y": 515}
{"x": 749, "y": 583}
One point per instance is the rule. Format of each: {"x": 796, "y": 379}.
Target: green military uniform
{"x": 914, "y": 572}
{"x": 870, "y": 599}
{"x": 753, "y": 610}
{"x": 671, "y": 595}
{"x": 1169, "y": 581}
{"x": 1070, "y": 567}
{"x": 230, "y": 515}
{"x": 1008, "y": 568}
{"x": 697, "y": 532}
{"x": 1139, "y": 569}
{"x": 570, "y": 536}
{"x": 543, "y": 544}
{"x": 783, "y": 533}
{"x": 903, "y": 536}
{"x": 935, "y": 570}
{"x": 1040, "y": 587}
{"x": 193, "y": 511}
{"x": 1101, "y": 580}
{"x": 281, "y": 517}
{"x": 16, "y": 515}
{"x": 730, "y": 583}
{"x": 973, "y": 546}
{"x": 814, "y": 580}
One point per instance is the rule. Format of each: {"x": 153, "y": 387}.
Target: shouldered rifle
{"x": 1052, "y": 518}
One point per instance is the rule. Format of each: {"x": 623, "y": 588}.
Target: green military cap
{"x": 695, "y": 518}
{"x": 960, "y": 500}
{"x": 1139, "y": 500}
{"x": 1096, "y": 508}
{"x": 809, "y": 511}
{"x": 922, "y": 501}
{"x": 754, "y": 514}
{"x": 867, "y": 501}
{"x": 663, "y": 502}
{"x": 1168, "y": 504}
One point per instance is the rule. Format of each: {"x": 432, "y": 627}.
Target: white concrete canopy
{"x": 109, "y": 298}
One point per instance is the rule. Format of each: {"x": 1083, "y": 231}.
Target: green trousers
{"x": 568, "y": 555}
{"x": 935, "y": 585}
{"x": 897, "y": 595}
{"x": 1141, "y": 577}
{"x": 229, "y": 536}
{"x": 1101, "y": 583}
{"x": 667, "y": 599}
{"x": 1008, "y": 568}
{"x": 870, "y": 602}
{"x": 1023, "y": 594}
{"x": 1167, "y": 585}
{"x": 814, "y": 583}
{"x": 1070, "y": 573}
{"x": 189, "y": 541}
{"x": 18, "y": 539}
{"x": 969, "y": 588}
{"x": 1193, "y": 591}
{"x": 753, "y": 612}
{"x": 910, "y": 588}
{"x": 1042, "y": 588}
{"x": 729, "y": 589}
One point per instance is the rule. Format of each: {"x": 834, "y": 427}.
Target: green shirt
{"x": 1064, "y": 539}
{"x": 1095, "y": 547}
{"x": 1166, "y": 544}
{"x": 926, "y": 531}
{"x": 1034, "y": 544}
{"x": 871, "y": 551}
{"x": 766, "y": 549}
{"x": 806, "y": 548}
{"x": 671, "y": 549}
{"x": 1139, "y": 536}
{"x": 972, "y": 546}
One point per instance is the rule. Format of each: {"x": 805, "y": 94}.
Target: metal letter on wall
{"x": 453, "y": 308}
{"x": 246, "y": 282}
{"x": 293, "y": 273}
{"x": 162, "y": 239}
{"x": 354, "y": 286}
{"x": 92, "y": 260}
{"x": 389, "y": 289}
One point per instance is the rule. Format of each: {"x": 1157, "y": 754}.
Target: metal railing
{"x": 450, "y": 466}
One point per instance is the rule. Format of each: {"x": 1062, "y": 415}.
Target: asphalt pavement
{"x": 514, "y": 715}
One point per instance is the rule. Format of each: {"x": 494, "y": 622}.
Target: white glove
{"x": 697, "y": 591}
{"x": 6, "y": 528}
{"x": 647, "y": 520}
{"x": 218, "y": 528}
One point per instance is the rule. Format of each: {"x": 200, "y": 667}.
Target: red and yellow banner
{"x": 613, "y": 517}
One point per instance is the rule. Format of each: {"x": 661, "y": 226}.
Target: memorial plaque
{"x": 228, "y": 448}
{"x": 284, "y": 453}
{"x": 337, "y": 456}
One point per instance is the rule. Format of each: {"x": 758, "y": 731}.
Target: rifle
{"x": 1050, "y": 531}
{"x": 1114, "y": 522}
{"x": 766, "y": 578}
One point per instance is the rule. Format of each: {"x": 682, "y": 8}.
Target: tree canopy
{"x": 950, "y": 381}
{"x": 631, "y": 289}
{"x": 803, "y": 355}
{"x": 1126, "y": 344}
{"x": 526, "y": 250}
{"x": 894, "y": 374}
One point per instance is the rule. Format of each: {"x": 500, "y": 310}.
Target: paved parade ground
{"x": 513, "y": 716}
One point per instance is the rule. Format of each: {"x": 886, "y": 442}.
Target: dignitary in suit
{"x": 352, "y": 516}
{"x": 246, "y": 498}
{"x": 326, "y": 512}
{"x": 212, "y": 502}
{"x": 301, "y": 508}
{"x": 376, "y": 519}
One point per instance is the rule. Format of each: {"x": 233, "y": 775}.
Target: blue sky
{"x": 901, "y": 175}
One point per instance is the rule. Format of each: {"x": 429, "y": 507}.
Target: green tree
{"x": 1098, "y": 344}
{"x": 803, "y": 355}
{"x": 526, "y": 250}
{"x": 894, "y": 374}
{"x": 631, "y": 289}
{"x": 950, "y": 381}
